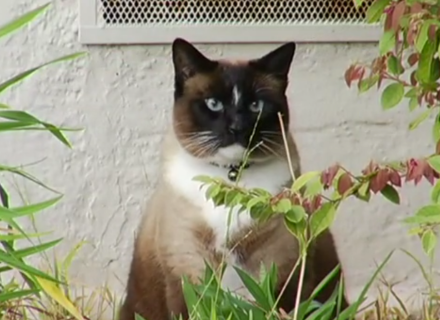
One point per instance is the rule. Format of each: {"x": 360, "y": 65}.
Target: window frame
{"x": 92, "y": 33}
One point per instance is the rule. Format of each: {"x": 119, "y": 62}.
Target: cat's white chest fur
{"x": 183, "y": 168}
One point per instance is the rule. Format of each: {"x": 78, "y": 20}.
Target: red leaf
{"x": 398, "y": 12}
{"x": 371, "y": 167}
{"x": 413, "y": 78}
{"x": 415, "y": 170}
{"x": 413, "y": 59}
{"x": 348, "y": 76}
{"x": 328, "y": 175}
{"x": 394, "y": 178}
{"x": 388, "y": 19}
{"x": 344, "y": 183}
{"x": 432, "y": 32}
{"x": 428, "y": 173}
{"x": 416, "y": 8}
{"x": 379, "y": 181}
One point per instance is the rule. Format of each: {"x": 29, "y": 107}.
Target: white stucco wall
{"x": 122, "y": 97}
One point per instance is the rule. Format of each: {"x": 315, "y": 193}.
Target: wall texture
{"x": 122, "y": 97}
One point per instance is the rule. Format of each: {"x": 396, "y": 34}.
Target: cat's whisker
{"x": 271, "y": 133}
{"x": 276, "y": 145}
{"x": 270, "y": 151}
{"x": 207, "y": 147}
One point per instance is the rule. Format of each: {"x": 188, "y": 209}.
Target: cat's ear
{"x": 278, "y": 61}
{"x": 187, "y": 60}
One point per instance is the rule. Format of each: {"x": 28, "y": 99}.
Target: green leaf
{"x": 297, "y": 229}
{"x": 322, "y": 219}
{"x": 33, "y": 208}
{"x": 435, "y": 193}
{"x": 7, "y": 84}
{"x": 429, "y": 242}
{"x": 434, "y": 162}
{"x": 422, "y": 117}
{"x": 387, "y": 42}
{"x": 254, "y": 289}
{"x": 15, "y": 295}
{"x": 429, "y": 214}
{"x": 375, "y": 10}
{"x": 26, "y": 119}
{"x": 203, "y": 179}
{"x": 413, "y": 103}
{"x": 422, "y": 37}
{"x": 392, "y": 95}
{"x": 11, "y": 125}
{"x": 367, "y": 83}
{"x": 391, "y": 194}
{"x": 212, "y": 191}
{"x": 394, "y": 65}
{"x": 283, "y": 206}
{"x": 14, "y": 237}
{"x": 26, "y": 175}
{"x": 436, "y": 128}
{"x": 411, "y": 93}
{"x": 302, "y": 180}
{"x": 16, "y": 264}
{"x": 21, "y": 253}
{"x": 22, "y": 20}
{"x": 295, "y": 214}
{"x": 425, "y": 70}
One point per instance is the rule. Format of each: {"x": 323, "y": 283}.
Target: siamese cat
{"x": 216, "y": 107}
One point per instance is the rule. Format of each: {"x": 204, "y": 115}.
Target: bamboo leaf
{"x": 21, "y": 253}
{"x": 58, "y": 295}
{"x": 22, "y": 20}
{"x": 7, "y": 296}
{"x": 26, "y": 175}
{"x": 7, "y": 84}
{"x": 16, "y": 264}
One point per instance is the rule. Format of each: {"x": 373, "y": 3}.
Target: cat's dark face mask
{"x": 223, "y": 104}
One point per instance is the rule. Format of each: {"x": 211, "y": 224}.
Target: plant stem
{"x": 300, "y": 284}
{"x": 286, "y": 146}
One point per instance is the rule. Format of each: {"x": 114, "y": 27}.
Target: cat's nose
{"x": 236, "y": 126}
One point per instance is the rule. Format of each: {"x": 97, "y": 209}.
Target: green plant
{"x": 12, "y": 259}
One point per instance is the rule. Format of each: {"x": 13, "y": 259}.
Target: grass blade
{"x": 16, "y": 264}
{"x": 26, "y": 175}
{"x": 21, "y": 21}
{"x": 7, "y": 296}
{"x": 8, "y": 83}
{"x": 21, "y": 253}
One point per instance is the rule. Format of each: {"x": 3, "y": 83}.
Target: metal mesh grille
{"x": 190, "y": 12}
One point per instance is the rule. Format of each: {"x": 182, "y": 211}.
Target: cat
{"x": 216, "y": 107}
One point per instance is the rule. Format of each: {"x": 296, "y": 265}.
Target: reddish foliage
{"x": 396, "y": 15}
{"x": 328, "y": 175}
{"x": 313, "y": 204}
{"x": 413, "y": 59}
{"x": 344, "y": 183}
{"x": 379, "y": 181}
{"x": 394, "y": 178}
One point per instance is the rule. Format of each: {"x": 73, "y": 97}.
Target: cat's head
{"x": 222, "y": 107}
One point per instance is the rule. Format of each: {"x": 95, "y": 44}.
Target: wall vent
{"x": 224, "y": 21}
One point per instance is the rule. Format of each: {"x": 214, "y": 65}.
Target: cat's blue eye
{"x": 214, "y": 104}
{"x": 257, "y": 106}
